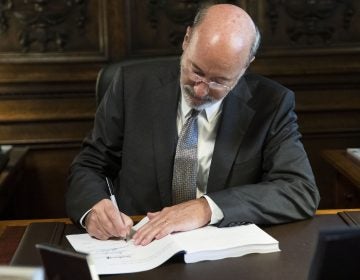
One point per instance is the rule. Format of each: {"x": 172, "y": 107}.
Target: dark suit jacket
{"x": 259, "y": 171}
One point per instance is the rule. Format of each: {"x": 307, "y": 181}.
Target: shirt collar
{"x": 209, "y": 112}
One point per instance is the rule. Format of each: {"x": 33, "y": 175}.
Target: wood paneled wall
{"x": 51, "y": 52}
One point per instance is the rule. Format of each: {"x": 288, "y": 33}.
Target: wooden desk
{"x": 297, "y": 242}
{"x": 11, "y": 232}
{"x": 23, "y": 223}
{"x": 10, "y": 179}
{"x": 347, "y": 185}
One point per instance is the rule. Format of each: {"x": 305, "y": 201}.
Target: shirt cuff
{"x": 82, "y": 219}
{"x": 216, "y": 213}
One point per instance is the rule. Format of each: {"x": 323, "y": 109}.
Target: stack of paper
{"x": 207, "y": 243}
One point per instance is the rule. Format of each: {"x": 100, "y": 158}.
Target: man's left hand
{"x": 181, "y": 217}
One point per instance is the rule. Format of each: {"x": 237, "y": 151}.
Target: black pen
{"x": 113, "y": 200}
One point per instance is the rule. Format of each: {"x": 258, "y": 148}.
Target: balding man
{"x": 217, "y": 146}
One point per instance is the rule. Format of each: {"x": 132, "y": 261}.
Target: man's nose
{"x": 201, "y": 89}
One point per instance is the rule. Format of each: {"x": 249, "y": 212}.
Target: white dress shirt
{"x": 208, "y": 121}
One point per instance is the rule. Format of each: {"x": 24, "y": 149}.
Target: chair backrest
{"x": 4, "y": 158}
{"x": 107, "y": 73}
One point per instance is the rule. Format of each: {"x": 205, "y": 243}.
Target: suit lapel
{"x": 165, "y": 135}
{"x": 236, "y": 117}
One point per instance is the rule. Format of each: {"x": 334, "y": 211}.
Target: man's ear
{"x": 249, "y": 62}
{"x": 186, "y": 38}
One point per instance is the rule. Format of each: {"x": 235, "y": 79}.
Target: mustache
{"x": 190, "y": 92}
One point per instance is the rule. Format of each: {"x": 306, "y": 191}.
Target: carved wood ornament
{"x": 44, "y": 25}
{"x": 311, "y": 19}
{"x": 179, "y": 13}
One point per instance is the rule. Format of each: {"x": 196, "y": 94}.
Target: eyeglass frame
{"x": 198, "y": 79}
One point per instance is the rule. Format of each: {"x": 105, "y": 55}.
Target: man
{"x": 249, "y": 163}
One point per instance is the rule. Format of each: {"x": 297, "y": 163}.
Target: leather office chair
{"x": 107, "y": 73}
{"x": 4, "y": 158}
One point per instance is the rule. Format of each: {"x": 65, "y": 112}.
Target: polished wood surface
{"x": 23, "y": 223}
{"x": 297, "y": 243}
{"x": 347, "y": 181}
{"x": 12, "y": 230}
{"x": 7, "y": 223}
{"x": 335, "y": 211}
{"x": 345, "y": 164}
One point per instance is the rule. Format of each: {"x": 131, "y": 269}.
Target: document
{"x": 207, "y": 243}
{"x": 21, "y": 273}
{"x": 354, "y": 152}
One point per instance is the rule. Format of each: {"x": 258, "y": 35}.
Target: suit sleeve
{"x": 100, "y": 155}
{"x": 286, "y": 190}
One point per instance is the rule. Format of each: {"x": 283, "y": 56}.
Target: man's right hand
{"x": 104, "y": 221}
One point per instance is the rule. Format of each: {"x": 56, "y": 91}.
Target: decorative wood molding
{"x": 5, "y": 8}
{"x": 49, "y": 31}
{"x": 179, "y": 14}
{"x": 310, "y": 19}
{"x": 46, "y": 120}
{"x": 308, "y": 28}
{"x": 44, "y": 24}
{"x": 49, "y": 132}
{"x": 162, "y": 24}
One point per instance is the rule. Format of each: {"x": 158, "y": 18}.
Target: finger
{"x": 151, "y": 223}
{"x": 146, "y": 236}
{"x": 152, "y": 215}
{"x": 108, "y": 216}
{"x": 104, "y": 224}
{"x": 118, "y": 227}
{"x": 148, "y": 231}
{"x": 99, "y": 234}
{"x": 161, "y": 229}
{"x": 105, "y": 221}
{"x": 127, "y": 222}
{"x": 165, "y": 229}
{"x": 93, "y": 228}
{"x": 152, "y": 230}
{"x": 111, "y": 220}
{"x": 181, "y": 217}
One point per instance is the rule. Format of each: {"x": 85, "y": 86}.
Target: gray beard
{"x": 188, "y": 92}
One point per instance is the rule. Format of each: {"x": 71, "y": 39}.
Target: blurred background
{"x": 51, "y": 52}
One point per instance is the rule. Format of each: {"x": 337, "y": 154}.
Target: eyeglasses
{"x": 198, "y": 79}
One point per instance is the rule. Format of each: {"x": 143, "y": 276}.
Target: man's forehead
{"x": 222, "y": 46}
{"x": 212, "y": 62}
{"x": 212, "y": 69}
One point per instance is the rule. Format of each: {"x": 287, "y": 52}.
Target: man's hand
{"x": 104, "y": 221}
{"x": 181, "y": 217}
